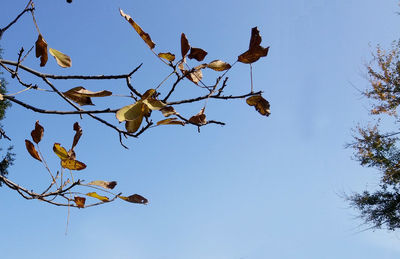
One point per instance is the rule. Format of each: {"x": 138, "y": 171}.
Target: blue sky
{"x": 255, "y": 188}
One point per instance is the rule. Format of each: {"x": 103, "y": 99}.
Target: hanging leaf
{"x": 197, "y": 53}
{"x": 168, "y": 111}
{"x": 199, "y": 119}
{"x": 60, "y": 151}
{"x": 171, "y": 121}
{"x": 184, "y": 46}
{"x": 79, "y": 201}
{"x": 95, "y": 195}
{"x": 219, "y": 65}
{"x": 130, "y": 112}
{"x": 32, "y": 151}
{"x": 104, "y": 184}
{"x": 135, "y": 198}
{"x": 260, "y": 104}
{"x": 37, "y": 133}
{"x": 62, "y": 59}
{"x": 78, "y": 134}
{"x": 72, "y": 164}
{"x": 168, "y": 56}
{"x": 41, "y": 50}
{"x": 154, "y": 104}
{"x": 132, "y": 126}
{"x": 142, "y": 34}
{"x": 82, "y": 96}
{"x": 255, "y": 51}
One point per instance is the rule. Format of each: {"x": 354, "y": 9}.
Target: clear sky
{"x": 256, "y": 188}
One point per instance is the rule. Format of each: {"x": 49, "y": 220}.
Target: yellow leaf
{"x": 41, "y": 50}
{"x": 145, "y": 36}
{"x": 37, "y": 133}
{"x": 31, "y": 149}
{"x": 255, "y": 51}
{"x": 73, "y": 164}
{"x": 79, "y": 201}
{"x": 199, "y": 119}
{"x": 60, "y": 151}
{"x": 148, "y": 93}
{"x": 171, "y": 121}
{"x": 130, "y": 112}
{"x": 154, "y": 104}
{"x": 219, "y": 65}
{"x": 104, "y": 184}
{"x": 260, "y": 104}
{"x": 135, "y": 198}
{"x": 62, "y": 59}
{"x": 95, "y": 195}
{"x": 168, "y": 56}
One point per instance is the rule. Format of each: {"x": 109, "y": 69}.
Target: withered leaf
{"x": 149, "y": 93}
{"x": 41, "y": 50}
{"x": 60, "y": 151}
{"x": 78, "y": 134}
{"x": 145, "y": 36}
{"x": 130, "y": 112}
{"x": 80, "y": 201}
{"x": 168, "y": 111}
{"x": 197, "y": 53}
{"x": 168, "y": 56}
{"x": 62, "y": 59}
{"x": 67, "y": 159}
{"x": 219, "y": 65}
{"x": 95, "y": 195}
{"x": 37, "y": 133}
{"x": 135, "y": 198}
{"x": 196, "y": 74}
{"x": 82, "y": 96}
{"x": 255, "y": 51}
{"x": 132, "y": 126}
{"x": 73, "y": 164}
{"x": 171, "y": 121}
{"x": 184, "y": 45}
{"x": 260, "y": 104}
{"x": 104, "y": 184}
{"x": 154, "y": 104}
{"x": 199, "y": 119}
{"x": 32, "y": 151}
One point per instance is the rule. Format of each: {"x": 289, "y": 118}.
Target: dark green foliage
{"x": 378, "y": 147}
{"x": 7, "y": 161}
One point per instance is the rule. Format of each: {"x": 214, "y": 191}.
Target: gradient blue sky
{"x": 256, "y": 188}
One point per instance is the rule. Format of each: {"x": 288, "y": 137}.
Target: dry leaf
{"x": 95, "y": 195}
{"x": 255, "y": 51}
{"x": 197, "y": 54}
{"x": 41, "y": 50}
{"x": 184, "y": 45}
{"x": 168, "y": 111}
{"x": 60, "y": 151}
{"x": 145, "y": 36}
{"x": 171, "y": 121}
{"x": 154, "y": 104}
{"x": 79, "y": 201}
{"x": 78, "y": 134}
{"x": 37, "y": 133}
{"x": 199, "y": 119}
{"x": 130, "y": 112}
{"x": 67, "y": 159}
{"x": 168, "y": 56}
{"x": 82, "y": 96}
{"x": 73, "y": 164}
{"x": 31, "y": 149}
{"x": 135, "y": 198}
{"x": 196, "y": 75}
{"x": 62, "y": 59}
{"x": 132, "y": 126}
{"x": 148, "y": 93}
{"x": 260, "y": 104}
{"x": 219, "y": 65}
{"x": 104, "y": 184}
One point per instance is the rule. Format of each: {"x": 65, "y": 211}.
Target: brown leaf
{"x": 197, "y": 54}
{"x": 62, "y": 59}
{"x": 78, "y": 134}
{"x": 79, "y": 201}
{"x": 168, "y": 56}
{"x": 184, "y": 45}
{"x": 219, "y": 65}
{"x": 82, "y": 96}
{"x": 37, "y": 133}
{"x": 135, "y": 198}
{"x": 196, "y": 74}
{"x": 171, "y": 121}
{"x": 31, "y": 149}
{"x": 168, "y": 111}
{"x": 145, "y": 36}
{"x": 41, "y": 50}
{"x": 199, "y": 119}
{"x": 255, "y": 51}
{"x": 104, "y": 184}
{"x": 260, "y": 104}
